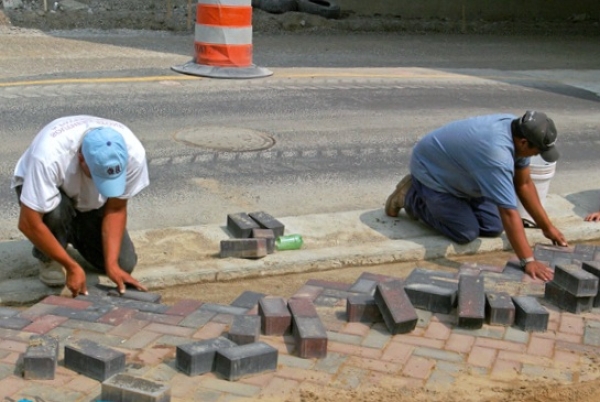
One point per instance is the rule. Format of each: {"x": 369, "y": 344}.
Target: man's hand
{"x": 76, "y": 281}
{"x": 593, "y": 217}
{"x": 537, "y": 270}
{"x": 556, "y": 236}
{"x": 122, "y": 278}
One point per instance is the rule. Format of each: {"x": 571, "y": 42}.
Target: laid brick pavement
{"x": 359, "y": 355}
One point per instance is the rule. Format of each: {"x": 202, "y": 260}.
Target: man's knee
{"x": 128, "y": 262}
{"x": 464, "y": 236}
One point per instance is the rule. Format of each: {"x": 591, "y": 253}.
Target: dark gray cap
{"x": 540, "y": 130}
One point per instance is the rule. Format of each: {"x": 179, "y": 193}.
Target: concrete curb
{"x": 332, "y": 241}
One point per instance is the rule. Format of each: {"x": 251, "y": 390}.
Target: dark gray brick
{"x": 471, "y": 302}
{"x": 197, "y": 319}
{"x": 576, "y": 280}
{"x": 267, "y": 221}
{"x": 557, "y": 295}
{"x": 448, "y": 280}
{"x": 223, "y": 309}
{"x": 584, "y": 252}
{"x": 530, "y": 315}
{"x": 244, "y": 329}
{"x": 310, "y": 337}
{"x": 6, "y": 312}
{"x": 132, "y": 304}
{"x": 248, "y": 299}
{"x": 276, "y": 317}
{"x": 366, "y": 286}
{"x": 593, "y": 267}
{"x": 40, "y": 358}
{"x": 132, "y": 294}
{"x": 93, "y": 360}
{"x": 240, "y": 225}
{"x": 431, "y": 297}
{"x": 245, "y": 360}
{"x": 543, "y": 252}
{"x": 199, "y": 357}
{"x": 269, "y": 237}
{"x": 14, "y": 322}
{"x": 362, "y": 308}
{"x": 125, "y": 387}
{"x": 76, "y": 314}
{"x": 500, "y": 309}
{"x": 396, "y": 309}
{"x": 243, "y": 248}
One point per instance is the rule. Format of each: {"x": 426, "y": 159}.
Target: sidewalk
{"x": 362, "y": 358}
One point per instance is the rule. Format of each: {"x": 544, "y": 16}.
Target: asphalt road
{"x": 330, "y": 131}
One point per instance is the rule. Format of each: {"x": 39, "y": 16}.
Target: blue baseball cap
{"x": 105, "y": 153}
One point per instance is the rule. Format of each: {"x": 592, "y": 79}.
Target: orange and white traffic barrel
{"x": 223, "y": 41}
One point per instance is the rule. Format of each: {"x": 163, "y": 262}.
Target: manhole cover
{"x": 230, "y": 139}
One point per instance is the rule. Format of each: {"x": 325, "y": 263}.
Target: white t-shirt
{"x": 51, "y": 164}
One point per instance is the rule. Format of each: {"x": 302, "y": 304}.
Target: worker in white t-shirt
{"x": 73, "y": 184}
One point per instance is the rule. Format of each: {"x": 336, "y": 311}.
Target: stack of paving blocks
{"x": 254, "y": 235}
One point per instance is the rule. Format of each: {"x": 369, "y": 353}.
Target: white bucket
{"x": 541, "y": 174}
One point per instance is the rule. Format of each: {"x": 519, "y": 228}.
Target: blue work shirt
{"x": 470, "y": 158}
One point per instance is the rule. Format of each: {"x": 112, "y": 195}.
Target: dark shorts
{"x": 83, "y": 230}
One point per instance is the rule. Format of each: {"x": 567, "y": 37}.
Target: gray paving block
{"x": 247, "y": 299}
{"x": 240, "y": 225}
{"x": 245, "y": 360}
{"x": 244, "y": 329}
{"x": 362, "y": 308}
{"x": 366, "y": 286}
{"x": 199, "y": 357}
{"x": 137, "y": 295}
{"x": 14, "y": 322}
{"x": 266, "y": 234}
{"x": 243, "y": 248}
{"x": 267, "y": 221}
{"x": 530, "y": 315}
{"x": 396, "y": 309}
{"x": 275, "y": 315}
{"x": 500, "y": 309}
{"x": 93, "y": 360}
{"x": 6, "y": 312}
{"x": 575, "y": 280}
{"x": 77, "y": 314}
{"x": 127, "y": 388}
{"x": 223, "y": 309}
{"x": 40, "y": 358}
{"x": 431, "y": 297}
{"x": 471, "y": 302}
{"x": 310, "y": 337}
{"x": 593, "y": 267}
{"x": 560, "y": 297}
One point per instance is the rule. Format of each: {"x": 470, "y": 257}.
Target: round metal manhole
{"x": 230, "y": 139}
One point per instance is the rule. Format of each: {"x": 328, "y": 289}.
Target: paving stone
{"x": 362, "y": 308}
{"x": 132, "y": 294}
{"x": 76, "y": 314}
{"x": 543, "y": 252}
{"x": 223, "y": 309}
{"x": 66, "y": 302}
{"x": 245, "y": 360}
{"x": 266, "y": 234}
{"x": 158, "y": 318}
{"x": 431, "y": 297}
{"x": 117, "y": 315}
{"x": 197, "y": 319}
{"x": 122, "y": 302}
{"x": 593, "y": 267}
{"x": 584, "y": 252}
{"x": 565, "y": 300}
{"x": 243, "y": 248}
{"x": 184, "y": 307}
{"x": 6, "y": 312}
{"x": 248, "y": 299}
{"x": 500, "y": 309}
{"x": 396, "y": 309}
{"x": 267, "y": 221}
{"x": 471, "y": 302}
{"x": 240, "y": 225}
{"x": 14, "y": 322}
{"x": 302, "y": 307}
{"x": 125, "y": 387}
{"x": 199, "y": 357}
{"x": 93, "y": 360}
{"x": 308, "y": 291}
{"x": 275, "y": 315}
{"x": 366, "y": 286}
{"x": 530, "y": 315}
{"x": 40, "y": 358}
{"x": 245, "y": 329}
{"x": 576, "y": 280}
{"x": 310, "y": 337}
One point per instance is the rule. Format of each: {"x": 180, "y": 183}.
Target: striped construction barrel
{"x": 223, "y": 41}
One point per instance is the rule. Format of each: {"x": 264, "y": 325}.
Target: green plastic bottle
{"x": 289, "y": 242}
